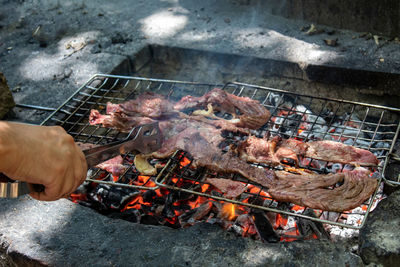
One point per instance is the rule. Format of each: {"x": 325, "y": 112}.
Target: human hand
{"x": 44, "y": 155}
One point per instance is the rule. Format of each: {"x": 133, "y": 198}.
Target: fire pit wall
{"x": 202, "y": 66}
{"x": 317, "y": 80}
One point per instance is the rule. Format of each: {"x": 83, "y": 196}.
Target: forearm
{"x": 8, "y": 148}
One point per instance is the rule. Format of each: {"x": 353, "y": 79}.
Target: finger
{"x": 42, "y": 196}
{"x": 79, "y": 170}
{"x": 83, "y": 166}
{"x": 69, "y": 182}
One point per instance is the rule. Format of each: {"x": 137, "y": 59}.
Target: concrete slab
{"x": 72, "y": 235}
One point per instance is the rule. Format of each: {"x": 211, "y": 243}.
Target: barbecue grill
{"x": 376, "y": 130}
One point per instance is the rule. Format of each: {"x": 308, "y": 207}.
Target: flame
{"x": 228, "y": 212}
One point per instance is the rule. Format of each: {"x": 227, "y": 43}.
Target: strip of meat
{"x": 118, "y": 121}
{"x": 205, "y": 153}
{"x": 231, "y": 189}
{"x": 113, "y": 165}
{"x": 147, "y": 104}
{"x": 222, "y": 124}
{"x": 250, "y": 113}
{"x": 312, "y": 190}
{"x": 273, "y": 151}
{"x": 259, "y": 150}
{"x": 339, "y": 152}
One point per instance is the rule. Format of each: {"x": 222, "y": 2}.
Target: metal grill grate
{"x": 375, "y": 128}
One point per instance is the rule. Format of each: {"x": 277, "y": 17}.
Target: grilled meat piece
{"x": 231, "y": 189}
{"x": 273, "y": 151}
{"x": 116, "y": 120}
{"x": 313, "y": 190}
{"x": 339, "y": 152}
{"x": 249, "y": 113}
{"x": 147, "y": 104}
{"x": 259, "y": 150}
{"x": 202, "y": 145}
{"x": 113, "y": 165}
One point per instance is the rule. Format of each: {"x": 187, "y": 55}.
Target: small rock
{"x": 119, "y": 38}
{"x": 331, "y": 42}
{"x": 227, "y": 20}
{"x": 6, "y": 98}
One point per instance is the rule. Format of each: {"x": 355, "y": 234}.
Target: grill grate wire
{"x": 377, "y": 131}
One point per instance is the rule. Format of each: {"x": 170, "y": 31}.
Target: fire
{"x": 228, "y": 212}
{"x": 181, "y": 209}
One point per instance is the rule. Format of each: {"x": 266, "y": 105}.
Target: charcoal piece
{"x": 168, "y": 210}
{"x": 308, "y": 227}
{"x": 264, "y": 228}
{"x": 181, "y": 195}
{"x": 184, "y": 218}
{"x": 245, "y": 223}
{"x": 197, "y": 214}
{"x": 130, "y": 215}
{"x": 159, "y": 201}
{"x": 148, "y": 196}
{"x": 150, "y": 220}
{"x": 112, "y": 197}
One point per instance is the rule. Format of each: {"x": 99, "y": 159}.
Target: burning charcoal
{"x": 330, "y": 216}
{"x": 202, "y": 211}
{"x": 149, "y": 195}
{"x": 169, "y": 211}
{"x": 246, "y": 224}
{"x": 197, "y": 214}
{"x": 111, "y": 196}
{"x": 308, "y": 227}
{"x": 275, "y": 99}
{"x": 181, "y": 195}
{"x": 264, "y": 228}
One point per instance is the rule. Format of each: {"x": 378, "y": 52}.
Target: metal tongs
{"x": 145, "y": 139}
